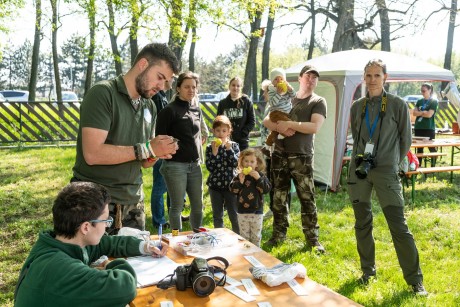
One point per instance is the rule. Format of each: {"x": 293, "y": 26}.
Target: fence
{"x": 32, "y": 123}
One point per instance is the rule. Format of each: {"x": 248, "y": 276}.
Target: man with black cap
{"x": 293, "y": 159}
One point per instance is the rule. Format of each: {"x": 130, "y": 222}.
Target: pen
{"x": 160, "y": 232}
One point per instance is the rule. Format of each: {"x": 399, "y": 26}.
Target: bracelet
{"x": 136, "y": 152}
{"x": 150, "y": 149}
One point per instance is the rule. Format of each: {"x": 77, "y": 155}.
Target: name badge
{"x": 369, "y": 148}
{"x": 147, "y": 116}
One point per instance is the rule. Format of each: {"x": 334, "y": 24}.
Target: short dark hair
{"x": 377, "y": 62}
{"x": 78, "y": 202}
{"x": 187, "y": 75}
{"x": 156, "y": 52}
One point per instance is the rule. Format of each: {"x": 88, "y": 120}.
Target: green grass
{"x": 31, "y": 178}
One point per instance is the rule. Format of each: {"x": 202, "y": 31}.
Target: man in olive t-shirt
{"x": 293, "y": 159}
{"x": 116, "y": 134}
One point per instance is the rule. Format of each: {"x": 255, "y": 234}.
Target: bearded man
{"x": 116, "y": 134}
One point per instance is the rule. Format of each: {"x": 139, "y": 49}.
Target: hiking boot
{"x": 317, "y": 247}
{"x": 419, "y": 289}
{"x": 365, "y": 278}
{"x": 273, "y": 242}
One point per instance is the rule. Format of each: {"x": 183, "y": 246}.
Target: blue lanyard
{"x": 425, "y": 102}
{"x": 374, "y": 124}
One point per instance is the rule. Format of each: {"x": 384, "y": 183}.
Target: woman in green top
{"x": 424, "y": 110}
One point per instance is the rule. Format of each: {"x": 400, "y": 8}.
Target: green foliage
{"x": 30, "y": 180}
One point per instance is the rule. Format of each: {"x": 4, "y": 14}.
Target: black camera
{"x": 364, "y": 163}
{"x": 198, "y": 275}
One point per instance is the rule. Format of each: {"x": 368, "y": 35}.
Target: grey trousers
{"x": 388, "y": 189}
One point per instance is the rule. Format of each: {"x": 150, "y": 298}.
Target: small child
{"x": 280, "y": 93}
{"x": 221, "y": 162}
{"x": 250, "y": 184}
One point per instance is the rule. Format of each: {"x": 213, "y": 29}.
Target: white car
{"x": 207, "y": 97}
{"x": 69, "y": 96}
{"x": 13, "y": 95}
{"x": 412, "y": 98}
{"x": 2, "y": 98}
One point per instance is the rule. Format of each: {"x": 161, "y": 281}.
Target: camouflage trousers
{"x": 285, "y": 167}
{"x": 126, "y": 216}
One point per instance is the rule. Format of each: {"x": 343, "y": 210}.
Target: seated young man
{"x": 58, "y": 272}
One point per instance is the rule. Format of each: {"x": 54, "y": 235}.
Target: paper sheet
{"x": 150, "y": 270}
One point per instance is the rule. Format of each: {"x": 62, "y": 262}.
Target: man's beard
{"x": 140, "y": 82}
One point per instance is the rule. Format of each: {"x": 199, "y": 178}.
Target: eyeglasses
{"x": 108, "y": 221}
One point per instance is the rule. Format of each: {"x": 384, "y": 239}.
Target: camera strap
{"x": 364, "y": 113}
{"x": 217, "y": 269}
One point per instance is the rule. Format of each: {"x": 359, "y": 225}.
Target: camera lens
{"x": 362, "y": 170}
{"x": 203, "y": 285}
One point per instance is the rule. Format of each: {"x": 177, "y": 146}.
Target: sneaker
{"x": 365, "y": 278}
{"x": 273, "y": 242}
{"x": 317, "y": 247}
{"x": 268, "y": 215}
{"x": 419, "y": 289}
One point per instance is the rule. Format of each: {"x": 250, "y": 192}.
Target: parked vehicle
{"x": 69, "y": 96}
{"x": 13, "y": 95}
{"x": 222, "y": 95}
{"x": 412, "y": 98}
{"x": 2, "y": 98}
{"x": 207, "y": 97}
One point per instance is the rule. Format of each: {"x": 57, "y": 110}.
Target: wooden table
{"x": 453, "y": 143}
{"x": 281, "y": 295}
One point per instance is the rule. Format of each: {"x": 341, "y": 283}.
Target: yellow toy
{"x": 282, "y": 86}
{"x": 218, "y": 142}
{"x": 247, "y": 170}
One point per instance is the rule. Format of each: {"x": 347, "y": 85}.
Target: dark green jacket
{"x": 58, "y": 274}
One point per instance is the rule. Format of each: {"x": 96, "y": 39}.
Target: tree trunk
{"x": 57, "y": 78}
{"x": 450, "y": 35}
{"x": 133, "y": 29}
{"x": 267, "y": 42}
{"x": 92, "y": 45}
{"x": 35, "y": 51}
{"x": 344, "y": 38}
{"x": 113, "y": 38}
{"x": 191, "y": 56}
{"x": 250, "y": 74}
{"x": 311, "y": 45}
{"x": 384, "y": 25}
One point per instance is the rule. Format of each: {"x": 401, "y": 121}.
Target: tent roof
{"x": 352, "y": 62}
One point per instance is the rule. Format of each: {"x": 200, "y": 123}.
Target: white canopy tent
{"x": 341, "y": 74}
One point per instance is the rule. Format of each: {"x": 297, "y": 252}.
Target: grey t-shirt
{"x": 302, "y": 111}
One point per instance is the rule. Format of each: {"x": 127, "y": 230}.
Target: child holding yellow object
{"x": 250, "y": 184}
{"x": 221, "y": 162}
{"x": 280, "y": 93}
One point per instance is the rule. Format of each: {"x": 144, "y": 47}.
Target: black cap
{"x": 309, "y": 68}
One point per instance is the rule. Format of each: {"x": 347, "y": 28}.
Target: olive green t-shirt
{"x": 302, "y": 111}
{"x": 107, "y": 106}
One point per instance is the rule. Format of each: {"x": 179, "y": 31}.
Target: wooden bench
{"x": 430, "y": 155}
{"x": 428, "y": 170}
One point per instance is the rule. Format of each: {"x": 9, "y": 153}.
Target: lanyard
{"x": 374, "y": 124}
{"x": 425, "y": 102}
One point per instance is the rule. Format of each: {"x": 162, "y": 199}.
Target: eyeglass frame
{"x": 108, "y": 222}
